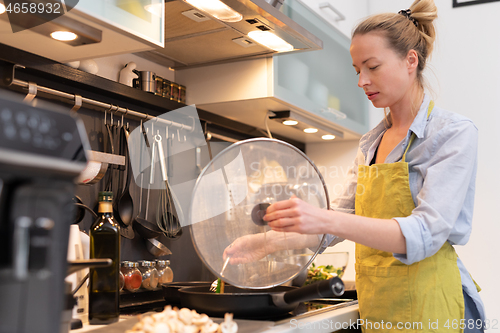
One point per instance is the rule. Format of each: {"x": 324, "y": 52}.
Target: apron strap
{"x": 429, "y": 110}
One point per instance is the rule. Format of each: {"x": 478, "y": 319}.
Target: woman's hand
{"x": 247, "y": 249}
{"x": 296, "y": 215}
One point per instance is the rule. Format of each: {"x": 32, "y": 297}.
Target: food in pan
{"x": 173, "y": 320}
{"x": 322, "y": 273}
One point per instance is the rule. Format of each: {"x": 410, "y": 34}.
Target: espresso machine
{"x": 42, "y": 149}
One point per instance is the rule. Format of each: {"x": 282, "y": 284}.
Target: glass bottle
{"x": 104, "y": 289}
{"x": 149, "y": 275}
{"x": 165, "y": 273}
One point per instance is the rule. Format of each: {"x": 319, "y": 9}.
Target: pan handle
{"x": 333, "y": 287}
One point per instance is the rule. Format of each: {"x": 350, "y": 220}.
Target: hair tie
{"x": 407, "y": 14}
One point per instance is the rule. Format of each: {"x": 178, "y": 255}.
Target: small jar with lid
{"x": 132, "y": 275}
{"x": 165, "y": 273}
{"x": 149, "y": 275}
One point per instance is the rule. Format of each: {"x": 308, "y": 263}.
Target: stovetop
{"x": 152, "y": 300}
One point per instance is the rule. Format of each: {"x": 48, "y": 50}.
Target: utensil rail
{"x": 78, "y": 101}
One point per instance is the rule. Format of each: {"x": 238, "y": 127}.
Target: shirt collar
{"x": 420, "y": 121}
{"x": 417, "y": 127}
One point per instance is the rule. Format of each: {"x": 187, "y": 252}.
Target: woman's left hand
{"x": 296, "y": 215}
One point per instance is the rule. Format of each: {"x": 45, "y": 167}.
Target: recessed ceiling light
{"x": 310, "y": 130}
{"x": 328, "y": 137}
{"x": 290, "y": 122}
{"x": 63, "y": 35}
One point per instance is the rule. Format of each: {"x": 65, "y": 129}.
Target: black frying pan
{"x": 251, "y": 303}
{"x": 171, "y": 290}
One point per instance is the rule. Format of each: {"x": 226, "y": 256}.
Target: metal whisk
{"x": 166, "y": 217}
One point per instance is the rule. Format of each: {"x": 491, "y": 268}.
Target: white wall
{"x": 465, "y": 76}
{"x": 109, "y": 67}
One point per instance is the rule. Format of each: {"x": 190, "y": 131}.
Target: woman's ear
{"x": 412, "y": 61}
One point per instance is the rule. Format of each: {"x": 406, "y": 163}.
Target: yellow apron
{"x": 423, "y": 297}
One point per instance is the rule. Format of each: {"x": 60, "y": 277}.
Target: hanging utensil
{"x": 123, "y": 207}
{"x": 166, "y": 218}
{"x": 125, "y": 203}
{"x": 143, "y": 226}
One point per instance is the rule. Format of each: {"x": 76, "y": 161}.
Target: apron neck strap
{"x": 429, "y": 110}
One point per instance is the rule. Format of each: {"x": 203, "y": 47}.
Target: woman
{"x": 411, "y": 188}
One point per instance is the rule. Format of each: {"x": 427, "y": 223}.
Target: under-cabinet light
{"x": 290, "y": 122}
{"x": 217, "y": 9}
{"x": 63, "y": 35}
{"x": 301, "y": 122}
{"x": 271, "y": 40}
{"x": 2, "y": 8}
{"x": 155, "y": 9}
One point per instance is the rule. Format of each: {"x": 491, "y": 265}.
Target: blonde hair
{"x": 406, "y": 31}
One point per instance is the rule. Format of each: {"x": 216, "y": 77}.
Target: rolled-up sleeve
{"x": 448, "y": 179}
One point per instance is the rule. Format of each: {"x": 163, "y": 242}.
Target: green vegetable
{"x": 322, "y": 273}
{"x": 219, "y": 283}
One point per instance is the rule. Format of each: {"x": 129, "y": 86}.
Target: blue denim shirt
{"x": 442, "y": 163}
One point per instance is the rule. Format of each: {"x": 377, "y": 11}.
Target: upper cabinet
{"x": 144, "y": 19}
{"x": 323, "y": 82}
{"x": 318, "y": 87}
{"x": 103, "y": 28}
{"x": 343, "y": 15}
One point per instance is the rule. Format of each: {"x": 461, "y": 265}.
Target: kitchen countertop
{"x": 328, "y": 319}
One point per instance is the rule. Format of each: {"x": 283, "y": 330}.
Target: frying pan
{"x": 171, "y": 290}
{"x": 251, "y": 303}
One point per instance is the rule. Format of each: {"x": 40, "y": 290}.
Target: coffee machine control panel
{"x": 38, "y": 131}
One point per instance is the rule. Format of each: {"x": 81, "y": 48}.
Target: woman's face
{"x": 384, "y": 75}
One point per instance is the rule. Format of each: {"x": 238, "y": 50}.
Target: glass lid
{"x": 229, "y": 200}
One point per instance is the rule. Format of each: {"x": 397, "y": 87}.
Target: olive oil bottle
{"x": 104, "y": 289}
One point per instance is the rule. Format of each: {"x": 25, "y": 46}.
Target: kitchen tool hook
{"x": 179, "y": 136}
{"x": 32, "y": 90}
{"x": 124, "y": 114}
{"x": 9, "y": 80}
{"x": 78, "y": 103}
{"x": 111, "y": 113}
{"x": 193, "y": 125}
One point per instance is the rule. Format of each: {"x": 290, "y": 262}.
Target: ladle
{"x": 124, "y": 207}
{"x": 125, "y": 204}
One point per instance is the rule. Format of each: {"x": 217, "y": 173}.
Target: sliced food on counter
{"x": 173, "y": 320}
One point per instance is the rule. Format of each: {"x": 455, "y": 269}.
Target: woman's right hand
{"x": 247, "y": 249}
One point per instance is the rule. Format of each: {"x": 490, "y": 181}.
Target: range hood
{"x": 193, "y": 37}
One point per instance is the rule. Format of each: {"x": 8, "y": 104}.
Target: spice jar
{"x": 159, "y": 86}
{"x": 182, "y": 94}
{"x": 165, "y": 273}
{"x": 149, "y": 275}
{"x": 167, "y": 88}
{"x": 174, "y": 92}
{"x": 132, "y": 275}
